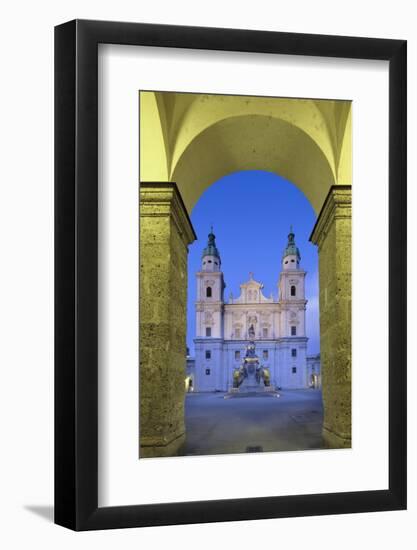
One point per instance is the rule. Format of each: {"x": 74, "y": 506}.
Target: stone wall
{"x": 332, "y": 234}
{"x": 165, "y": 232}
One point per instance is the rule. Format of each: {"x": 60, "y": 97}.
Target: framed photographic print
{"x": 230, "y": 275}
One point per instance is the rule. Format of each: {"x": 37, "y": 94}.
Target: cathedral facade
{"x": 276, "y": 325}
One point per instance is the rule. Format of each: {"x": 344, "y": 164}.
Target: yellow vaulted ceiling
{"x": 194, "y": 139}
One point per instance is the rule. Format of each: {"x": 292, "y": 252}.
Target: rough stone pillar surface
{"x": 165, "y": 233}
{"x": 332, "y": 234}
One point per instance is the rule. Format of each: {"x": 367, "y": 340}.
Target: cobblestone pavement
{"x": 215, "y": 425}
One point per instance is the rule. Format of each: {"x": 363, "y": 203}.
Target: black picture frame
{"x": 76, "y": 272}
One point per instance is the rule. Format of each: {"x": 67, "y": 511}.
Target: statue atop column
{"x": 252, "y": 377}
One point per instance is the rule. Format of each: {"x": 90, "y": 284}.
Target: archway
{"x": 188, "y": 141}
{"x": 253, "y": 142}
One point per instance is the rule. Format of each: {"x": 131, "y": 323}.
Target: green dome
{"x": 291, "y": 248}
{"x": 211, "y": 248}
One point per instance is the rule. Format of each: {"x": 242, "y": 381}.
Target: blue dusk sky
{"x": 251, "y": 213}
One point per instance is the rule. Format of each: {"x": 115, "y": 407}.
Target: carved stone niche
{"x": 294, "y": 318}
{"x": 237, "y": 330}
{"x": 208, "y": 318}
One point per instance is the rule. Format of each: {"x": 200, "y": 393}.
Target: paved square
{"x": 215, "y": 425}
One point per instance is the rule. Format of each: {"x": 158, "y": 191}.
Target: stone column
{"x": 332, "y": 234}
{"x": 165, "y": 233}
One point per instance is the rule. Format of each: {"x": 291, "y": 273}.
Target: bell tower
{"x": 210, "y": 292}
{"x": 210, "y": 282}
{"x": 293, "y": 314}
{"x": 210, "y": 258}
{"x": 209, "y": 318}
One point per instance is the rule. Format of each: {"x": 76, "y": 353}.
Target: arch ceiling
{"x": 194, "y": 139}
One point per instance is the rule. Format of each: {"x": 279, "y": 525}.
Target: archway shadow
{"x": 45, "y": 512}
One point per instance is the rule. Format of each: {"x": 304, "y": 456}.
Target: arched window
{"x": 293, "y": 290}
{"x": 208, "y": 292}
